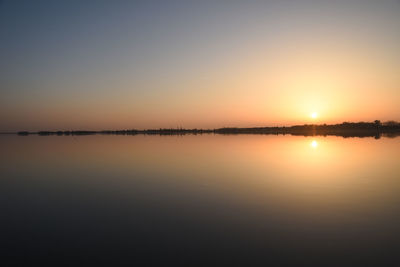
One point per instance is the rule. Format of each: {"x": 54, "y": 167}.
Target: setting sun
{"x": 314, "y": 115}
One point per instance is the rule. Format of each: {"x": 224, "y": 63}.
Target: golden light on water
{"x": 314, "y": 144}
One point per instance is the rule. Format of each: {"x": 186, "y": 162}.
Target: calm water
{"x": 209, "y": 200}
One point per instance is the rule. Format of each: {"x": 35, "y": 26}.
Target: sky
{"x": 69, "y": 65}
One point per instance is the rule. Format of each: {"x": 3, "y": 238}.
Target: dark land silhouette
{"x": 346, "y": 129}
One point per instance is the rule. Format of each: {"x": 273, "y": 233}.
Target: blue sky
{"x": 138, "y": 64}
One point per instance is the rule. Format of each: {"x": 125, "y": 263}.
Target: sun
{"x": 314, "y": 115}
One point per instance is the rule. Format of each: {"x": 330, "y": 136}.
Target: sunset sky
{"x": 150, "y": 64}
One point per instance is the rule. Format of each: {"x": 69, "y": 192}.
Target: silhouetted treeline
{"x": 345, "y": 129}
{"x": 161, "y": 131}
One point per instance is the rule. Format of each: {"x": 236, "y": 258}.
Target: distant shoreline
{"x": 346, "y": 129}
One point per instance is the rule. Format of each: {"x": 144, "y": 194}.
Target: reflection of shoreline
{"x": 345, "y": 130}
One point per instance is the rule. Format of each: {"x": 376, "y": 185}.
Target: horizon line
{"x": 204, "y": 129}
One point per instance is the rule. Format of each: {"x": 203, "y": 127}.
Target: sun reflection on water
{"x": 314, "y": 144}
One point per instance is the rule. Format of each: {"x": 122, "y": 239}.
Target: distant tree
{"x": 378, "y": 123}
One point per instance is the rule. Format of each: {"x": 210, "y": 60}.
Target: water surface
{"x": 204, "y": 199}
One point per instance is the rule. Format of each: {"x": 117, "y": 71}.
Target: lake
{"x": 207, "y": 200}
